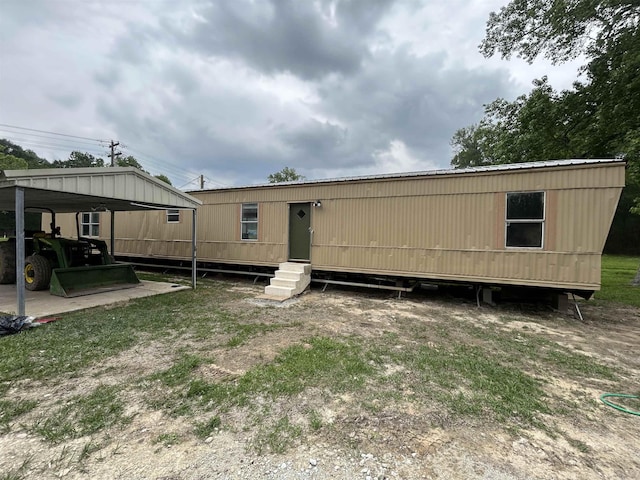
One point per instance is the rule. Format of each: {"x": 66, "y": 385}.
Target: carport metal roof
{"x": 76, "y": 189}
{"x": 66, "y": 190}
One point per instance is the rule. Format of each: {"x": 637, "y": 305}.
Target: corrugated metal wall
{"x": 441, "y": 226}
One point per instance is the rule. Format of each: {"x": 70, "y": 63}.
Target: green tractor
{"x": 68, "y": 267}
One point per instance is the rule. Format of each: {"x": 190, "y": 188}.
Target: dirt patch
{"x": 357, "y": 437}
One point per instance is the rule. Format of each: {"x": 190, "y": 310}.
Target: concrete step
{"x": 281, "y": 292}
{"x": 298, "y": 285}
{"x": 285, "y": 282}
{"x": 280, "y": 274}
{"x": 295, "y": 267}
{"x": 291, "y": 279}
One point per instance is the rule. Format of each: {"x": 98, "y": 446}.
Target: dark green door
{"x": 299, "y": 231}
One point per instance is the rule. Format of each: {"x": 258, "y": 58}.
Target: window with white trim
{"x": 173, "y": 216}
{"x": 90, "y": 224}
{"x": 525, "y": 219}
{"x": 249, "y": 221}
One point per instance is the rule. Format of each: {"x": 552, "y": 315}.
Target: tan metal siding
{"x": 441, "y": 227}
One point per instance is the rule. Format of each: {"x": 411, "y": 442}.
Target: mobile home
{"x": 541, "y": 224}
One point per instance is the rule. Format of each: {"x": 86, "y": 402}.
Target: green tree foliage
{"x": 560, "y": 30}
{"x": 78, "y": 160}
{"x": 540, "y": 125}
{"x": 129, "y": 161}
{"x": 9, "y": 162}
{"x": 164, "y": 178}
{"x": 7, "y": 147}
{"x": 285, "y": 175}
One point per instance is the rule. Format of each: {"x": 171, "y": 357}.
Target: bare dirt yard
{"x": 342, "y": 384}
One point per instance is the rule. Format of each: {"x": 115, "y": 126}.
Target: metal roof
{"x": 82, "y": 189}
{"x": 429, "y": 173}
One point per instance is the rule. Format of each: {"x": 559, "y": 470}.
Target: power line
{"x": 190, "y": 181}
{"x": 41, "y": 144}
{"x": 50, "y": 142}
{"x": 51, "y": 133}
{"x": 159, "y": 164}
{"x": 76, "y": 142}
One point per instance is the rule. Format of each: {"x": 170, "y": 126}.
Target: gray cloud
{"x": 303, "y": 38}
{"x": 68, "y": 100}
{"x": 219, "y": 115}
{"x": 238, "y": 89}
{"x": 396, "y": 96}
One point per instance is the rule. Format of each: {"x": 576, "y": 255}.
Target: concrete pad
{"x": 273, "y": 298}
{"x": 42, "y": 304}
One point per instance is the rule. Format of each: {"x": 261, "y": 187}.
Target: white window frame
{"x": 542, "y": 221}
{"x": 249, "y": 222}
{"x": 173, "y": 215}
{"x": 89, "y": 223}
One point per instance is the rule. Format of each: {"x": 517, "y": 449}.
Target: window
{"x": 249, "y": 221}
{"x": 90, "y": 224}
{"x": 525, "y": 219}
{"x": 173, "y": 216}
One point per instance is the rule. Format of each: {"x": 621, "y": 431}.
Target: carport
{"x": 70, "y": 190}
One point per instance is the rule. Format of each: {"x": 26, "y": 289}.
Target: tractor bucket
{"x": 77, "y": 281}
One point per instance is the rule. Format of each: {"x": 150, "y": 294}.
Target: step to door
{"x": 290, "y": 279}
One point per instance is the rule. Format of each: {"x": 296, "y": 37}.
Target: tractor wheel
{"x": 37, "y": 272}
{"x": 8, "y": 262}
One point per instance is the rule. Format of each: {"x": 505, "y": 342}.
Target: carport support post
{"x": 194, "y": 250}
{"x": 113, "y": 234}
{"x": 20, "y": 250}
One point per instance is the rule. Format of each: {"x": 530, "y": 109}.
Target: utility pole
{"x": 113, "y": 153}
{"x": 201, "y": 182}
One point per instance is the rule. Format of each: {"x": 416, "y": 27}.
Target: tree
{"x": 79, "y": 159}
{"x": 285, "y": 175}
{"x": 164, "y": 178}
{"x": 560, "y": 30}
{"x": 129, "y": 161}
{"x": 468, "y": 148}
{"x": 7, "y": 147}
{"x": 544, "y": 124}
{"x": 9, "y": 162}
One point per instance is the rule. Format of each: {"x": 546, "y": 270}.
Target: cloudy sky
{"x": 237, "y": 89}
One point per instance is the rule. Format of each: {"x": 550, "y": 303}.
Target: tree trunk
{"x": 636, "y": 281}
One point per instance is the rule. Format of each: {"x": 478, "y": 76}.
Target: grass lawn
{"x": 213, "y": 360}
{"x": 617, "y": 273}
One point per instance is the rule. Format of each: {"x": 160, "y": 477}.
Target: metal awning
{"x": 66, "y": 190}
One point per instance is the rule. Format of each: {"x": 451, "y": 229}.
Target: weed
{"x": 12, "y": 409}
{"x": 18, "y": 473}
{"x": 167, "y": 439}
{"x": 204, "y": 429}
{"x": 578, "y": 444}
{"x": 276, "y": 438}
{"x": 180, "y": 372}
{"x": 84, "y": 415}
{"x": 315, "y": 421}
{"x": 469, "y": 382}
{"x": 87, "y": 449}
{"x": 320, "y": 362}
